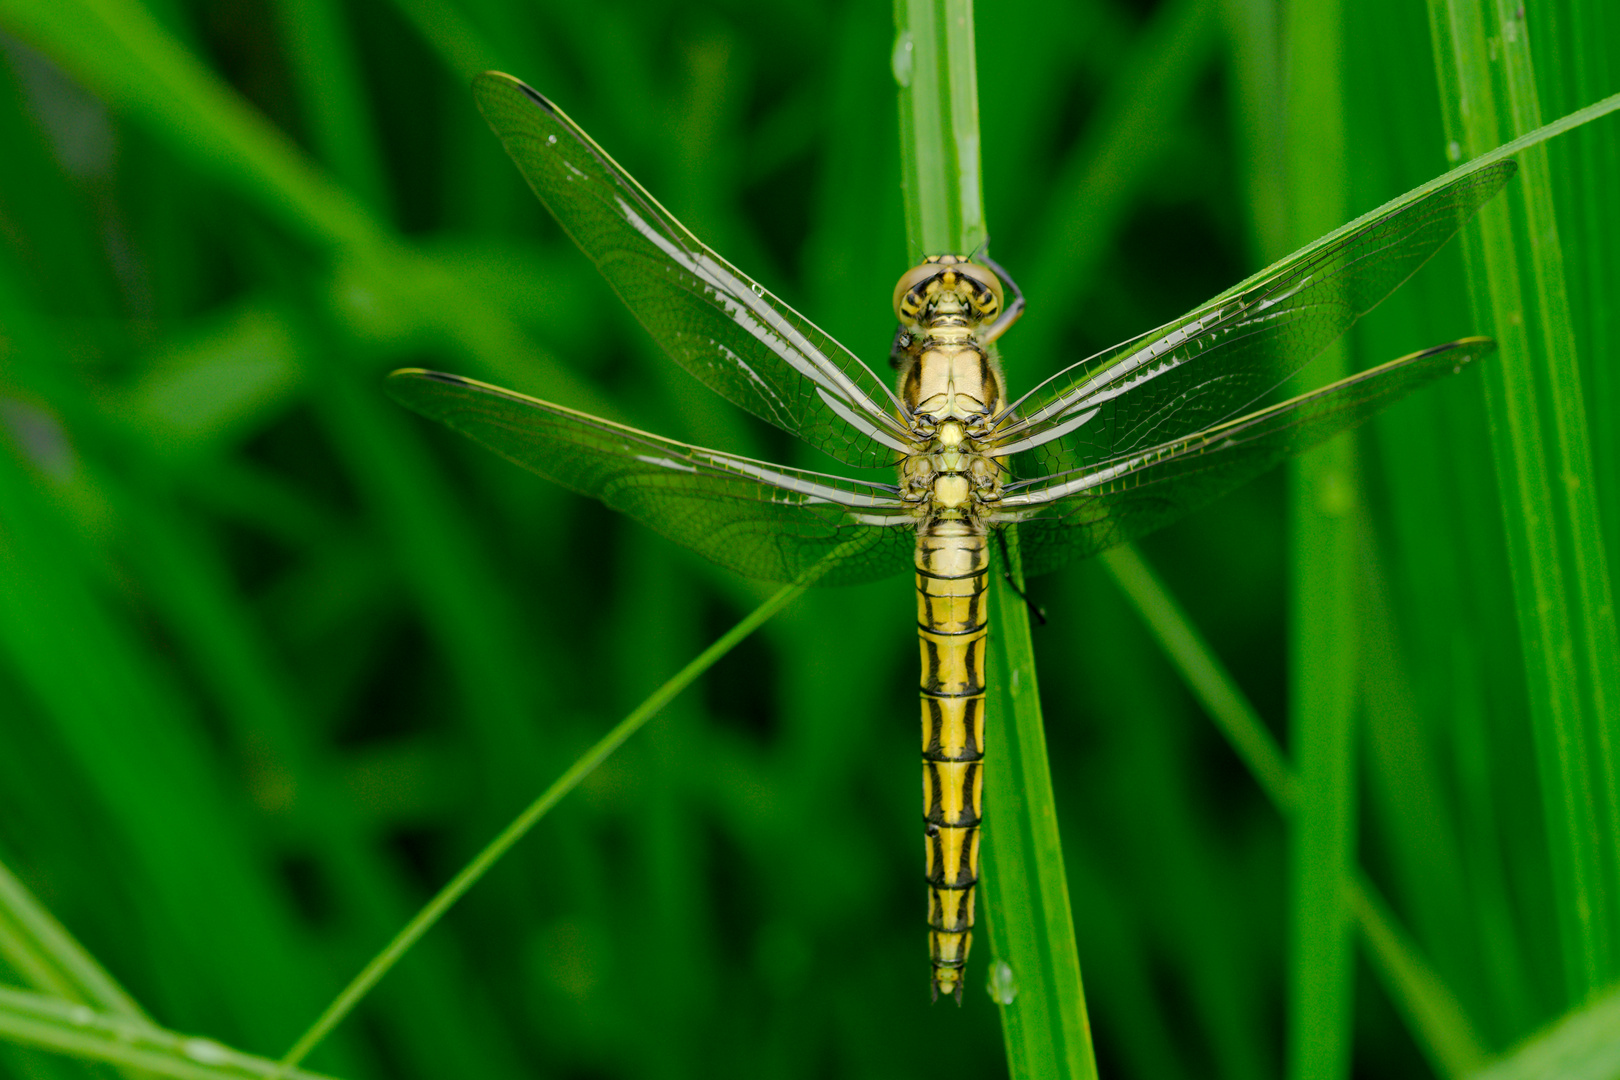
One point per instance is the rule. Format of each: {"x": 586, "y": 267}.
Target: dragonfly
{"x": 1109, "y": 448}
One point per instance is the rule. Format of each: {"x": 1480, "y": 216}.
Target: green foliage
{"x": 1560, "y": 566}
{"x": 1581, "y": 1046}
{"x": 137, "y": 1047}
{"x": 1028, "y": 915}
{"x": 276, "y": 659}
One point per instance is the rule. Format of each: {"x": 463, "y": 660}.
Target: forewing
{"x": 1218, "y": 361}
{"x": 720, "y": 325}
{"x": 1086, "y": 510}
{"x": 759, "y": 519}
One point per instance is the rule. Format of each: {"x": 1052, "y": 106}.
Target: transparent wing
{"x": 1082, "y": 511}
{"x": 720, "y": 325}
{"x": 1218, "y": 361}
{"x": 759, "y": 519}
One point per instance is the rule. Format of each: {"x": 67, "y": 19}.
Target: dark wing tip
{"x": 404, "y": 385}
{"x": 537, "y": 97}
{"x": 1474, "y": 346}
{"x": 1479, "y": 345}
{"x": 501, "y": 79}
{"x": 1468, "y": 350}
{"x": 1459, "y": 353}
{"x": 423, "y": 373}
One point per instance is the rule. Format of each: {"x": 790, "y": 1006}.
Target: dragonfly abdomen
{"x": 952, "y": 560}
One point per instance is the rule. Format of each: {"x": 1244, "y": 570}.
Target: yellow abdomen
{"x": 952, "y": 561}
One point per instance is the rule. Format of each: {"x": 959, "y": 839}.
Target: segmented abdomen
{"x": 952, "y": 559}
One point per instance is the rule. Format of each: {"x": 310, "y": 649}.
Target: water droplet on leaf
{"x": 206, "y": 1051}
{"x": 1002, "y": 985}
{"x": 901, "y": 60}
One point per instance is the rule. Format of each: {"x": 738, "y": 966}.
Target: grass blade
{"x": 1035, "y": 972}
{"x": 582, "y": 767}
{"x": 1322, "y": 638}
{"x": 41, "y": 950}
{"x": 1553, "y": 532}
{"x": 1436, "y": 1020}
{"x": 1430, "y": 1009}
{"x": 1579, "y": 515}
{"x": 127, "y": 725}
{"x": 323, "y": 59}
{"x": 939, "y": 126}
{"x": 193, "y": 598}
{"x": 128, "y": 58}
{"x": 1205, "y": 675}
{"x": 1580, "y": 1046}
{"x": 127, "y": 1042}
{"x": 1101, "y": 176}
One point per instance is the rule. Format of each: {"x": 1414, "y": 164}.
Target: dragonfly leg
{"x": 1006, "y": 572}
{"x": 1013, "y": 310}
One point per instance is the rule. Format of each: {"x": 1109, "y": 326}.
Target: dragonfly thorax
{"x": 952, "y": 479}
{"x": 946, "y": 371}
{"x": 950, "y": 386}
{"x": 948, "y": 375}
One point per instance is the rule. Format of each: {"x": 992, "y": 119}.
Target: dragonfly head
{"x": 947, "y": 283}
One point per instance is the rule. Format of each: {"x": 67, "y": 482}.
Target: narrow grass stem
{"x": 1322, "y": 639}
{"x": 131, "y": 1044}
{"x": 1434, "y": 1016}
{"x": 1446, "y": 1034}
{"x": 457, "y": 887}
{"x": 42, "y": 951}
{"x": 1035, "y": 972}
{"x": 1205, "y": 675}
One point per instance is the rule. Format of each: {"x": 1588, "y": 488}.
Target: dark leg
{"x": 1006, "y": 572}
{"x": 1014, "y": 308}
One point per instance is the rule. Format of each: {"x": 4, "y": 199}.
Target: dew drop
{"x": 206, "y": 1051}
{"x": 1002, "y": 985}
{"x": 902, "y": 59}
{"x": 1453, "y": 150}
{"x": 759, "y": 290}
{"x": 551, "y": 139}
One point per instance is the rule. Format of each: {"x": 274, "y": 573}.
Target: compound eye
{"x": 907, "y": 291}
{"x": 986, "y": 278}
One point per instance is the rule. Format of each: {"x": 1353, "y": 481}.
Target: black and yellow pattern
{"x": 1112, "y": 446}
{"x": 952, "y": 559}
{"x": 950, "y": 386}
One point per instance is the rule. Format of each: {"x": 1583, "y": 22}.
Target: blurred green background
{"x": 276, "y": 658}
